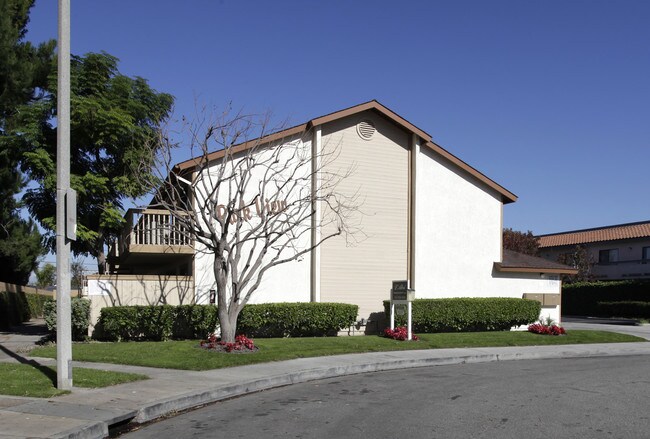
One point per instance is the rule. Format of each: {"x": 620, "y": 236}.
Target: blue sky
{"x": 550, "y": 99}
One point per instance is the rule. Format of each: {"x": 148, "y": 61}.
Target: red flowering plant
{"x": 241, "y": 344}
{"x": 399, "y": 333}
{"x": 540, "y": 328}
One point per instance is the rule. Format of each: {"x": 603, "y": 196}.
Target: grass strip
{"x": 188, "y": 356}
{"x": 40, "y": 381}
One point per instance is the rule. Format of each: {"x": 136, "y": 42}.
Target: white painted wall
{"x": 288, "y": 282}
{"x": 458, "y": 226}
{"x": 458, "y": 239}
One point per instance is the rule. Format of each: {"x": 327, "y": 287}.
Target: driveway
{"x": 622, "y": 326}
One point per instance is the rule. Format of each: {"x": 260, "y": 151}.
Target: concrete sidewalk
{"x": 90, "y": 413}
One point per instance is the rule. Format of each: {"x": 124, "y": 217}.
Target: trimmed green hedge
{"x": 16, "y": 308}
{"x": 166, "y": 322}
{"x": 13, "y": 309}
{"x": 629, "y": 309}
{"x": 583, "y": 298}
{"x": 79, "y": 316}
{"x": 268, "y": 320}
{"x": 469, "y": 314}
{"x": 36, "y": 303}
{"x": 161, "y": 322}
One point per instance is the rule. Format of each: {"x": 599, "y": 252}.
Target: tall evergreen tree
{"x": 23, "y": 72}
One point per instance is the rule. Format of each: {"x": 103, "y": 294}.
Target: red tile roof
{"x": 609, "y": 233}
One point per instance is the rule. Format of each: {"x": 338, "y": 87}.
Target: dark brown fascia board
{"x": 508, "y": 197}
{"x": 289, "y": 132}
{"x": 500, "y": 268}
{"x": 371, "y": 105}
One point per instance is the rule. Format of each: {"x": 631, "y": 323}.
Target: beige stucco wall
{"x": 629, "y": 265}
{"x": 123, "y": 290}
{"x": 361, "y": 272}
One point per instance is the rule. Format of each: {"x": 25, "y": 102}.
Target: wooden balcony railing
{"x": 151, "y": 229}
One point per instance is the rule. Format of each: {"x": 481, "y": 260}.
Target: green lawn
{"x": 187, "y": 355}
{"x": 40, "y": 381}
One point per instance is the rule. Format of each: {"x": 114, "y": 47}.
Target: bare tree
{"x": 252, "y": 200}
{"x": 578, "y": 258}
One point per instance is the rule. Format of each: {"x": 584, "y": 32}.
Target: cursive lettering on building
{"x": 248, "y": 212}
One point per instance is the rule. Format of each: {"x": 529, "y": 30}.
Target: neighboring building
{"x": 429, "y": 218}
{"x": 614, "y": 252}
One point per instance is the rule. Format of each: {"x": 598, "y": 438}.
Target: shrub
{"x": 296, "y": 319}
{"x": 241, "y": 343}
{"x": 469, "y": 314}
{"x": 582, "y": 298}
{"x": 540, "y": 328}
{"x": 36, "y": 303}
{"x": 197, "y": 321}
{"x": 161, "y": 322}
{"x": 628, "y": 308}
{"x": 79, "y": 316}
{"x": 399, "y": 333}
{"x": 14, "y": 309}
{"x": 194, "y": 321}
{"x": 124, "y": 323}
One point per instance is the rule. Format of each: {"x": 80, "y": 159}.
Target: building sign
{"x": 246, "y": 212}
{"x": 399, "y": 290}
{"x": 401, "y": 295}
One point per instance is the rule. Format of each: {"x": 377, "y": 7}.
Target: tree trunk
{"x": 101, "y": 255}
{"x": 101, "y": 261}
{"x": 228, "y": 326}
{"x": 227, "y": 319}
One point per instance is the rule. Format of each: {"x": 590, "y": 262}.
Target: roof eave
{"x": 500, "y": 268}
{"x": 506, "y": 196}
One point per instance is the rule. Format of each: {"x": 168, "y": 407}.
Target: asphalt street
{"x": 565, "y": 398}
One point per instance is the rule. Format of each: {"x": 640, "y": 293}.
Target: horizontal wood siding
{"x": 362, "y": 273}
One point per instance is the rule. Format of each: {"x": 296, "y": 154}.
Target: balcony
{"x": 625, "y": 269}
{"x": 152, "y": 241}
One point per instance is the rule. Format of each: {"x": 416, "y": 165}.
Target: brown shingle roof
{"x": 609, "y": 233}
{"x": 522, "y": 263}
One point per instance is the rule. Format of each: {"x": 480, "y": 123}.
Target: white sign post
{"x": 401, "y": 294}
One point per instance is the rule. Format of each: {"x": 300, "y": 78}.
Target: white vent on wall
{"x": 366, "y": 129}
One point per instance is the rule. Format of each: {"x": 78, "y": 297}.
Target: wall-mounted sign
{"x": 255, "y": 208}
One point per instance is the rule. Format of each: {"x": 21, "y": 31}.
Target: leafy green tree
{"x": 521, "y": 242}
{"x": 23, "y": 72}
{"x": 46, "y": 276}
{"x": 114, "y": 119}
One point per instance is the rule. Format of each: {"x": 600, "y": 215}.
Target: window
{"x": 645, "y": 255}
{"x": 608, "y": 256}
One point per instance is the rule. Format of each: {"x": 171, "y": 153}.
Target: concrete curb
{"x": 79, "y": 416}
{"x": 90, "y": 431}
{"x": 190, "y": 400}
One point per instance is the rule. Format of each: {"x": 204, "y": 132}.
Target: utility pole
{"x": 63, "y": 324}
